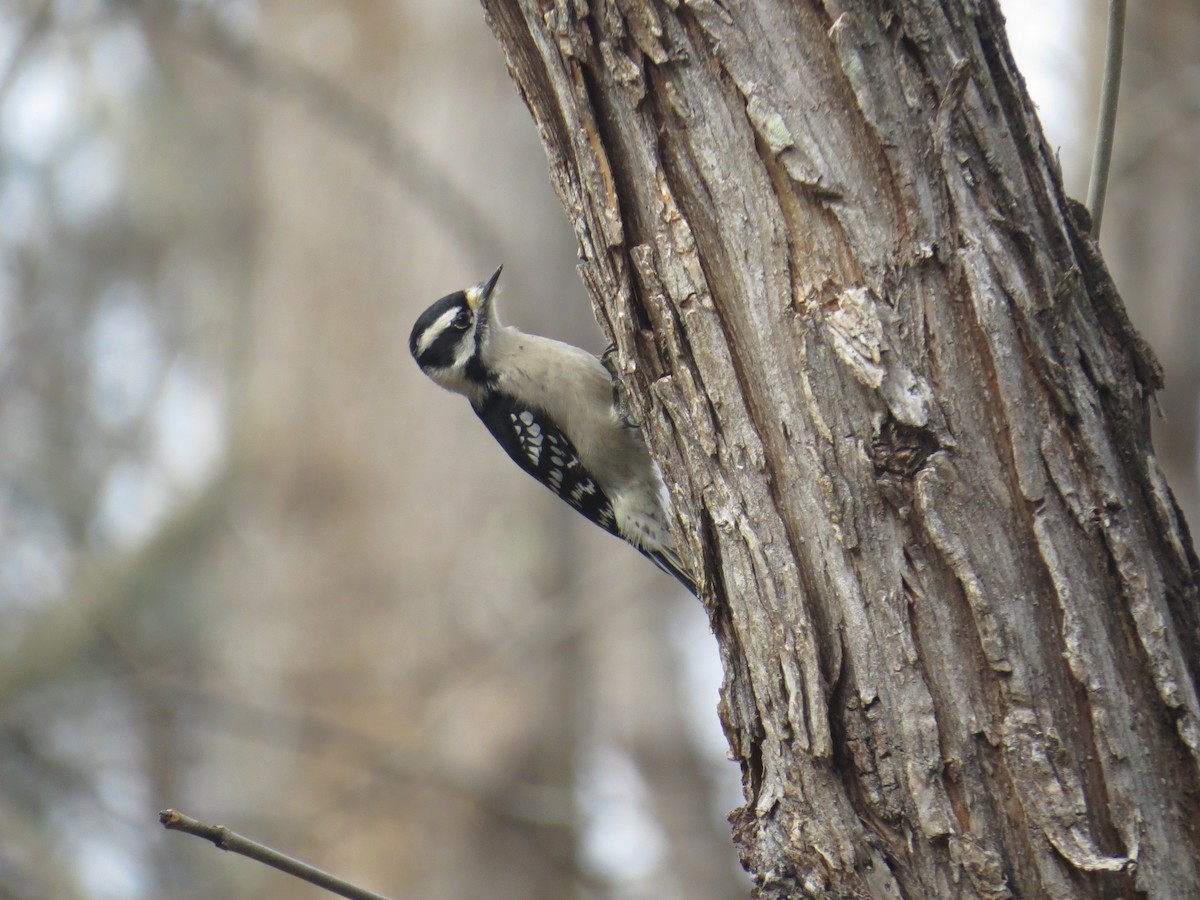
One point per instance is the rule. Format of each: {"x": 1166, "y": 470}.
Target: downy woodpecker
{"x": 553, "y": 409}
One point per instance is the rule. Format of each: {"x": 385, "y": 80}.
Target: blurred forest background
{"x": 254, "y": 566}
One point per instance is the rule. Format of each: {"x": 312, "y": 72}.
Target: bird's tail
{"x": 673, "y": 566}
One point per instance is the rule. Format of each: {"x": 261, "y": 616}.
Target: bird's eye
{"x": 462, "y": 321}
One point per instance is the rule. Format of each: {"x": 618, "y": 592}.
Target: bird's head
{"x": 450, "y": 339}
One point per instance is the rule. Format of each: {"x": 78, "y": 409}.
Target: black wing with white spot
{"x": 542, "y": 450}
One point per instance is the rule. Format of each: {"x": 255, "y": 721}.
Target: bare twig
{"x": 222, "y": 837}
{"x": 1102, "y": 158}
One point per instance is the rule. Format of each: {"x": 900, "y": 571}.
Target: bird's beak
{"x": 480, "y": 294}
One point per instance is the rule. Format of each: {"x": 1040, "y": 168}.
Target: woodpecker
{"x": 554, "y": 409}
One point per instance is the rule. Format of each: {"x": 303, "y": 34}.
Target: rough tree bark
{"x": 905, "y": 422}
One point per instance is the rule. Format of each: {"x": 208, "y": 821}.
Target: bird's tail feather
{"x": 673, "y": 566}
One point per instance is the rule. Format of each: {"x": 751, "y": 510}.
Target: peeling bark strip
{"x": 905, "y": 417}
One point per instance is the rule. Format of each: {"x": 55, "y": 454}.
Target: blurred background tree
{"x": 254, "y": 566}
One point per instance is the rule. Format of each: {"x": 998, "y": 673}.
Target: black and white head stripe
{"x": 449, "y": 335}
{"x": 444, "y": 334}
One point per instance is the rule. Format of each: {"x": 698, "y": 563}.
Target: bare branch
{"x": 1114, "y": 54}
{"x": 224, "y": 839}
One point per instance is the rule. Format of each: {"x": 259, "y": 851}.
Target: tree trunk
{"x": 904, "y": 419}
